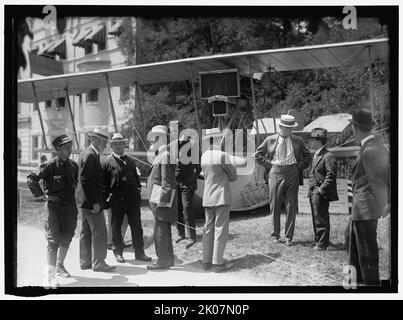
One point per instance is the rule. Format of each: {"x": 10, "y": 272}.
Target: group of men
{"x": 285, "y": 156}
{"x": 178, "y": 182}
{"x": 92, "y": 185}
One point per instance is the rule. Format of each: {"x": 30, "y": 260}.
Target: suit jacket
{"x": 371, "y": 181}
{"x": 218, "y": 172}
{"x": 186, "y": 175}
{"x": 323, "y": 174}
{"x": 265, "y": 152}
{"x": 90, "y": 180}
{"x": 162, "y": 173}
{"x": 112, "y": 175}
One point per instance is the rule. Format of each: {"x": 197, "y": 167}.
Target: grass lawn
{"x": 250, "y": 247}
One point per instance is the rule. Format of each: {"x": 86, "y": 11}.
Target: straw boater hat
{"x": 60, "y": 140}
{"x": 99, "y": 133}
{"x": 117, "y": 137}
{"x": 287, "y": 120}
{"x": 363, "y": 118}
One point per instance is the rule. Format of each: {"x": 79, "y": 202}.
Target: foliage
{"x": 314, "y": 92}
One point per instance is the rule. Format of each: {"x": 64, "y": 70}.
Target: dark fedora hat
{"x": 363, "y": 118}
{"x": 60, "y": 140}
{"x": 319, "y": 133}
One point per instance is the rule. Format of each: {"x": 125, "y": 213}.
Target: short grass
{"x": 250, "y": 247}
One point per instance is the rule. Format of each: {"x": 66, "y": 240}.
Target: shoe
{"x": 319, "y": 248}
{"x": 86, "y": 267}
{"x": 119, "y": 258}
{"x": 276, "y": 239}
{"x": 289, "y": 243}
{"x": 180, "y": 239}
{"x": 50, "y": 280}
{"x": 190, "y": 243}
{"x": 143, "y": 257}
{"x": 218, "y": 268}
{"x": 156, "y": 266}
{"x": 207, "y": 265}
{"x": 105, "y": 268}
{"x": 62, "y": 272}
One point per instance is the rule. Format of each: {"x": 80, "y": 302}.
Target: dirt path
{"x": 31, "y": 258}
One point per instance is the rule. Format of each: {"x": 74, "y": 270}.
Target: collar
{"x": 118, "y": 155}
{"x": 283, "y": 138}
{"x": 371, "y": 136}
{"x": 96, "y": 151}
{"x": 58, "y": 159}
{"x": 318, "y": 151}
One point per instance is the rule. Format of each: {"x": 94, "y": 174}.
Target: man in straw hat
{"x": 163, "y": 199}
{"x": 322, "y": 187}
{"x": 371, "y": 198}
{"x": 89, "y": 196}
{"x": 285, "y": 156}
{"x": 59, "y": 177}
{"x": 123, "y": 194}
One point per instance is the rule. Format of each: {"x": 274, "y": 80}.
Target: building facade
{"x": 87, "y": 44}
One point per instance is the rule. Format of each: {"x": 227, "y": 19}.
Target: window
{"x": 35, "y": 145}
{"x": 124, "y": 93}
{"x": 61, "y": 102}
{"x": 88, "y": 48}
{"x": 48, "y": 104}
{"x": 101, "y": 39}
{"x": 92, "y": 96}
{"x": 19, "y": 107}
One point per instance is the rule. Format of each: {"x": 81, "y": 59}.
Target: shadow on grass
{"x": 251, "y": 261}
{"x": 331, "y": 247}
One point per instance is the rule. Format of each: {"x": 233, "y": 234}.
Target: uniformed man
{"x": 59, "y": 176}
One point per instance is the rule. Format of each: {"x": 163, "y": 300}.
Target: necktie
{"x": 285, "y": 148}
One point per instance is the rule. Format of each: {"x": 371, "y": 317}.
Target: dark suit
{"x": 186, "y": 177}
{"x": 283, "y": 180}
{"x": 371, "y": 192}
{"x": 93, "y": 236}
{"x": 122, "y": 189}
{"x": 163, "y": 173}
{"x": 322, "y": 190}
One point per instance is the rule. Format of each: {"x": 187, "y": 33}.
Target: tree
{"x": 315, "y": 92}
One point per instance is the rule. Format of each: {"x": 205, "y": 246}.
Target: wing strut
{"x": 111, "y": 102}
{"x": 195, "y": 101}
{"x": 252, "y": 87}
{"x": 72, "y": 118}
{"x": 143, "y": 134}
{"x": 40, "y": 115}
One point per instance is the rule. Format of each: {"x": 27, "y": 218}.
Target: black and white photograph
{"x": 200, "y": 149}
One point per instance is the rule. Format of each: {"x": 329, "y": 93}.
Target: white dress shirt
{"x": 284, "y": 153}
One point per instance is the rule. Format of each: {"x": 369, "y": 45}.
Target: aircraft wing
{"x": 284, "y": 59}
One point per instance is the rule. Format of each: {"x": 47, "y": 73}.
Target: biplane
{"x": 249, "y": 191}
